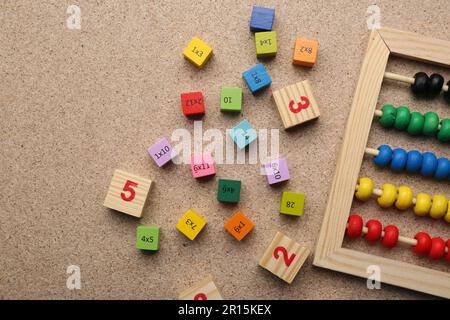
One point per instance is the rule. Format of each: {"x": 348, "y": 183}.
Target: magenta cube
{"x": 202, "y": 166}
{"x": 162, "y": 152}
{"x": 277, "y": 171}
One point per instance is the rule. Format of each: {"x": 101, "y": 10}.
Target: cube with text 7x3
{"x": 147, "y": 238}
{"x": 202, "y": 166}
{"x": 284, "y": 257}
{"x": 197, "y": 52}
{"x": 191, "y": 224}
{"x": 127, "y": 193}
{"x": 203, "y": 290}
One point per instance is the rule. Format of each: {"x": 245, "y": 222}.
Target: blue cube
{"x": 243, "y": 134}
{"x": 262, "y": 19}
{"x": 257, "y": 78}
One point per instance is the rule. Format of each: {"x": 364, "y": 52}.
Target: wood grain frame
{"x": 329, "y": 251}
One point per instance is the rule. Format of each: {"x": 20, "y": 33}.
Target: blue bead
{"x": 414, "y": 161}
{"x": 443, "y": 169}
{"x": 399, "y": 157}
{"x": 257, "y": 78}
{"x": 262, "y": 19}
{"x": 429, "y": 164}
{"x": 384, "y": 156}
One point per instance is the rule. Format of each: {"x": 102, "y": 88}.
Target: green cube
{"x": 292, "y": 203}
{"x": 231, "y": 99}
{"x": 229, "y": 190}
{"x": 266, "y": 44}
{"x": 147, "y": 238}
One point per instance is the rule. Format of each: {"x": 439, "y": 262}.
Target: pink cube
{"x": 202, "y": 166}
{"x": 161, "y": 152}
{"x": 277, "y": 171}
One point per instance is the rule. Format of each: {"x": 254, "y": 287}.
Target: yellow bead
{"x": 365, "y": 189}
{"x": 438, "y": 206}
{"x": 405, "y": 198}
{"x": 447, "y": 215}
{"x": 423, "y": 204}
{"x": 388, "y": 196}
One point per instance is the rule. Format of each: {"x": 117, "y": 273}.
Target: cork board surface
{"x": 77, "y": 104}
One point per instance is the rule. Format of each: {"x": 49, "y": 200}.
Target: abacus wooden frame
{"x": 329, "y": 251}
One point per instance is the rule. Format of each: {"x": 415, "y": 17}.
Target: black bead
{"x": 435, "y": 85}
{"x": 420, "y": 85}
{"x": 447, "y": 94}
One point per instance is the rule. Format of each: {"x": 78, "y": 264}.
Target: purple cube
{"x": 161, "y": 152}
{"x": 277, "y": 171}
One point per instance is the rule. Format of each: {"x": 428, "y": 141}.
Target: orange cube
{"x": 239, "y": 225}
{"x": 305, "y": 52}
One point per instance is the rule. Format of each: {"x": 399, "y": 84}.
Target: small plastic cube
{"x": 243, "y": 134}
{"x": 257, "y": 78}
{"x": 305, "y": 52}
{"x": 231, "y": 99}
{"x": 191, "y": 224}
{"x": 292, "y": 203}
{"x": 197, "y": 52}
{"x": 229, "y": 190}
{"x": 239, "y": 225}
{"x": 202, "y": 166}
{"x": 262, "y": 19}
{"x": 161, "y": 152}
{"x": 147, "y": 238}
{"x": 266, "y": 44}
{"x": 277, "y": 171}
{"x": 193, "y": 104}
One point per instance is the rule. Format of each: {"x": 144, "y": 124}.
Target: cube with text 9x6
{"x": 197, "y": 52}
{"x": 257, "y": 78}
{"x": 229, "y": 190}
{"x": 292, "y": 203}
{"x": 191, "y": 224}
{"x": 262, "y": 19}
{"x": 243, "y": 134}
{"x": 147, "y": 238}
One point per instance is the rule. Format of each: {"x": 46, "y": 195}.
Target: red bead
{"x": 390, "y": 236}
{"x": 193, "y": 103}
{"x": 423, "y": 243}
{"x": 354, "y": 226}
{"x": 374, "y": 230}
{"x": 447, "y": 257}
{"x": 437, "y": 248}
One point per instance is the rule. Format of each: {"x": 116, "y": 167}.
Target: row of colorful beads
{"x": 413, "y": 162}
{"x": 403, "y": 198}
{"x": 415, "y": 123}
{"x": 422, "y": 244}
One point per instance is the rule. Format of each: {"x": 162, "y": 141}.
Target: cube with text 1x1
{"x": 161, "y": 152}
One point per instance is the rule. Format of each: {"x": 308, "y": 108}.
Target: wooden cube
{"x": 292, "y": 203}
{"x": 243, "y": 134}
{"x": 284, "y": 257}
{"x": 257, "y": 78}
{"x": 262, "y": 19}
{"x": 193, "y": 104}
{"x": 203, "y": 290}
{"x": 161, "y": 152}
{"x": 239, "y": 225}
{"x": 296, "y": 104}
{"x": 197, "y": 52}
{"x": 202, "y": 166}
{"x": 231, "y": 99}
{"x": 305, "y": 52}
{"x": 229, "y": 190}
{"x": 277, "y": 171}
{"x": 127, "y": 193}
{"x": 191, "y": 224}
{"x": 266, "y": 44}
{"x": 147, "y": 238}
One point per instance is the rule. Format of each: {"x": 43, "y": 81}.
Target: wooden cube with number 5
{"x": 284, "y": 257}
{"x": 127, "y": 193}
{"x": 292, "y": 203}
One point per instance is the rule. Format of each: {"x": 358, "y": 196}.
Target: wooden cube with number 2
{"x": 203, "y": 290}
{"x": 127, "y": 193}
{"x": 284, "y": 257}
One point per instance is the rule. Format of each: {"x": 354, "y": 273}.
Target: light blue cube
{"x": 262, "y": 19}
{"x": 243, "y": 134}
{"x": 257, "y": 78}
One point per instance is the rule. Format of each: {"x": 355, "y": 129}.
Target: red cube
{"x": 193, "y": 103}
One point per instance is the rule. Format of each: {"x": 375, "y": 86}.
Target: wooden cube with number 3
{"x": 127, "y": 193}
{"x": 284, "y": 257}
{"x": 203, "y": 290}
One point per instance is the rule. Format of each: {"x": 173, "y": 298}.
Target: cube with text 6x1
{"x": 191, "y": 224}
{"x": 197, "y": 52}
{"x": 239, "y": 225}
{"x": 202, "y": 166}
{"x": 127, "y": 193}
{"x": 276, "y": 171}
{"x": 147, "y": 238}
{"x": 161, "y": 152}
{"x": 203, "y": 290}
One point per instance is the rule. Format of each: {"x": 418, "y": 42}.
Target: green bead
{"x": 431, "y": 125}
{"x": 402, "y": 118}
{"x": 444, "y": 132}
{"x": 387, "y": 120}
{"x": 416, "y": 123}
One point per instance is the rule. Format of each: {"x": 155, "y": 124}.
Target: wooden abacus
{"x": 337, "y": 220}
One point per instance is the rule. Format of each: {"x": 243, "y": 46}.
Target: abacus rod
{"x": 379, "y": 113}
{"x": 398, "y": 77}
{"x": 379, "y": 193}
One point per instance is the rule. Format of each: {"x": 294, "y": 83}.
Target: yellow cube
{"x": 191, "y": 224}
{"x": 197, "y": 52}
